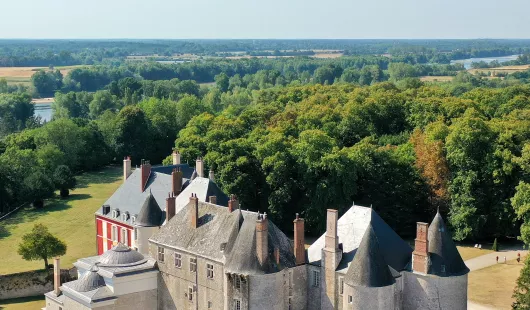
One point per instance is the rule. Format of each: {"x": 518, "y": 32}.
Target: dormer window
{"x": 125, "y": 216}
{"x": 115, "y": 213}
{"x": 133, "y": 218}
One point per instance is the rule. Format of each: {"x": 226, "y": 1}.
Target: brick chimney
{"x": 194, "y": 211}
{"x": 213, "y": 199}
{"x": 145, "y": 171}
{"x": 262, "y": 238}
{"x": 211, "y": 176}
{"x": 199, "y": 167}
{"x": 127, "y": 170}
{"x": 331, "y": 257}
{"x": 420, "y": 256}
{"x": 299, "y": 240}
{"x": 176, "y": 185}
{"x": 233, "y": 204}
{"x": 176, "y": 157}
{"x": 56, "y": 276}
{"x": 170, "y": 207}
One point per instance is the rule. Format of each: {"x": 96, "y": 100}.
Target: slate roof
{"x": 120, "y": 255}
{"x": 91, "y": 280}
{"x": 369, "y": 268}
{"x": 150, "y": 214}
{"x": 227, "y": 237}
{"x": 443, "y": 251}
{"x": 350, "y": 230}
{"x": 129, "y": 198}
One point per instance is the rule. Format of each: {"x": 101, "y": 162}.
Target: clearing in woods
{"x": 71, "y": 219}
{"x": 22, "y": 75}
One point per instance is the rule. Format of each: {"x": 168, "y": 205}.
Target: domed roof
{"x": 91, "y": 280}
{"x": 120, "y": 255}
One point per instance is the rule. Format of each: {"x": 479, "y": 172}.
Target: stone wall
{"x": 432, "y": 292}
{"x": 31, "y": 283}
{"x": 369, "y": 298}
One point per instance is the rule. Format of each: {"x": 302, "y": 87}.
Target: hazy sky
{"x": 264, "y": 19}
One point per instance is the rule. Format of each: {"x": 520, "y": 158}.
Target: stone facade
{"x": 432, "y": 292}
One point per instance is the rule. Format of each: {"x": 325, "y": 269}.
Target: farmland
{"x": 22, "y": 75}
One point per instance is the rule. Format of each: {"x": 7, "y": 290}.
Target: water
{"x": 44, "y": 110}
{"x": 467, "y": 62}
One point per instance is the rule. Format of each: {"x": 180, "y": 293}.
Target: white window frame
{"x": 237, "y": 304}
{"x": 316, "y": 278}
{"x": 161, "y": 254}
{"x": 350, "y": 299}
{"x": 190, "y": 293}
{"x": 209, "y": 271}
{"x": 178, "y": 260}
{"x": 193, "y": 264}
{"x": 124, "y": 237}
{"x": 114, "y": 233}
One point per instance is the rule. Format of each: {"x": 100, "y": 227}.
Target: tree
{"x": 521, "y": 205}
{"x": 41, "y": 244}
{"x": 103, "y": 100}
{"x": 222, "y": 81}
{"x": 495, "y": 246}
{"x": 38, "y": 187}
{"x": 521, "y": 293}
{"x": 64, "y": 180}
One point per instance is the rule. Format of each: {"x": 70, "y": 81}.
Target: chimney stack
{"x": 176, "y": 185}
{"x": 233, "y": 203}
{"x": 176, "y": 157}
{"x": 331, "y": 230}
{"x": 170, "y": 206}
{"x": 199, "y": 167}
{"x": 420, "y": 256}
{"x": 262, "y": 238}
{"x": 211, "y": 176}
{"x": 213, "y": 199}
{"x": 194, "y": 211}
{"x": 299, "y": 240}
{"x": 127, "y": 169}
{"x": 146, "y": 171}
{"x": 56, "y": 276}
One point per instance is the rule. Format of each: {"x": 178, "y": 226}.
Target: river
{"x": 467, "y": 62}
{"x": 44, "y": 110}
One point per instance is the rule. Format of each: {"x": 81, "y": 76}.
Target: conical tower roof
{"x": 91, "y": 280}
{"x": 444, "y": 256}
{"x": 150, "y": 214}
{"x": 369, "y": 268}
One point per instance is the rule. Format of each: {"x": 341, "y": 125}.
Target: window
{"x": 237, "y": 282}
{"x": 290, "y": 304}
{"x": 193, "y": 264}
{"x": 136, "y": 234}
{"x": 124, "y": 236}
{"x": 209, "y": 305}
{"x": 237, "y": 304}
{"x": 341, "y": 285}
{"x": 178, "y": 260}
{"x": 316, "y": 278}
{"x": 443, "y": 268}
{"x": 114, "y": 233}
{"x": 209, "y": 271}
{"x": 133, "y": 218}
{"x": 290, "y": 283}
{"x": 160, "y": 254}
{"x": 350, "y": 299}
{"x": 190, "y": 293}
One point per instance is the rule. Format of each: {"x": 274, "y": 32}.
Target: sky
{"x": 264, "y": 19}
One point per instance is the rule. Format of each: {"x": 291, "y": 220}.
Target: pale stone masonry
{"x": 207, "y": 256}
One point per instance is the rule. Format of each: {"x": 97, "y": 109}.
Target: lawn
{"x": 469, "y": 252}
{"x": 493, "y": 286}
{"x": 25, "y": 303}
{"x": 72, "y": 220}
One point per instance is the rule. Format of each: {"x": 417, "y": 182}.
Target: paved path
{"x": 489, "y": 259}
{"x": 473, "y": 306}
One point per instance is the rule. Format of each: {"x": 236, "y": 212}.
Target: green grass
{"x": 18, "y": 80}
{"x": 36, "y": 302}
{"x": 72, "y": 220}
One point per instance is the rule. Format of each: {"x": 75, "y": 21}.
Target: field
{"x": 28, "y": 303}
{"x": 445, "y": 78}
{"x": 493, "y": 286}
{"x": 72, "y": 220}
{"x": 469, "y": 252}
{"x": 505, "y": 69}
{"x": 22, "y": 75}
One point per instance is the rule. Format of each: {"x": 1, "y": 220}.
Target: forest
{"x": 295, "y": 135}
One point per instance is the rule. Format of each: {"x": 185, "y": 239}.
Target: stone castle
{"x": 203, "y": 252}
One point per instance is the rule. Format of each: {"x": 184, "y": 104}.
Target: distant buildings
{"x": 205, "y": 255}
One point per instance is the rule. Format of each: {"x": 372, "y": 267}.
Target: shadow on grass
{"x": 7, "y": 302}
{"x": 107, "y": 175}
{"x": 28, "y": 213}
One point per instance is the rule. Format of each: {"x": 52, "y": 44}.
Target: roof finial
{"x": 371, "y": 206}
{"x": 438, "y": 210}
